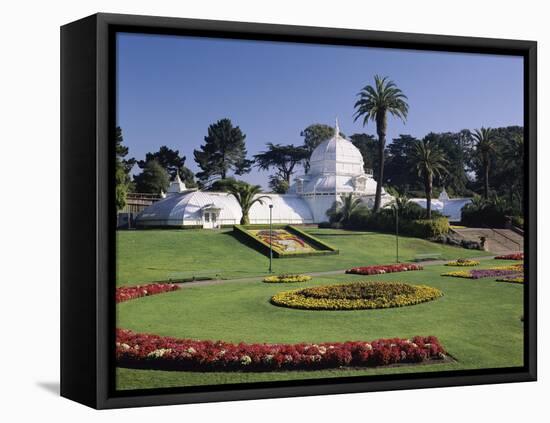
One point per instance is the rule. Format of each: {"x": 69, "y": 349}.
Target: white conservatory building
{"x": 336, "y": 169}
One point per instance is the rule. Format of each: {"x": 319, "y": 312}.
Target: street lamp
{"x": 270, "y": 237}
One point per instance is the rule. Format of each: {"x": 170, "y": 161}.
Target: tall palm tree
{"x": 244, "y": 194}
{"x": 375, "y": 102}
{"x": 485, "y": 147}
{"x": 428, "y": 162}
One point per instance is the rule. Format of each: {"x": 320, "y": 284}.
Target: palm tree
{"x": 244, "y": 194}
{"x": 513, "y": 153}
{"x": 485, "y": 147}
{"x": 401, "y": 203}
{"x": 375, "y": 102}
{"x": 342, "y": 210}
{"x": 429, "y": 162}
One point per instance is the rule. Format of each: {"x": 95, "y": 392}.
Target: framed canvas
{"x": 258, "y": 211}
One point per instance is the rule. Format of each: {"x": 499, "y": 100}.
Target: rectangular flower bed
{"x": 286, "y": 241}
{"x": 384, "y": 268}
{"x": 158, "y": 352}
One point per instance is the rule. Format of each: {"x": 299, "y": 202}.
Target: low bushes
{"x": 381, "y": 269}
{"x": 462, "y": 263}
{"x": 411, "y": 224}
{"x": 356, "y": 296}
{"x": 158, "y": 352}
{"x": 131, "y": 292}
{"x": 287, "y": 279}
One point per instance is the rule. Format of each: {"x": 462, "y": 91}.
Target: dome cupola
{"x": 336, "y": 156}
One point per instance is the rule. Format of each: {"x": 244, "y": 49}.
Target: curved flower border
{"x": 165, "y": 353}
{"x": 154, "y": 352}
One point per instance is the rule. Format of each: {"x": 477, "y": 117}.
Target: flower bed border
{"x": 380, "y": 269}
{"x": 148, "y": 351}
{"x": 463, "y": 263}
{"x": 514, "y": 256}
{"x": 126, "y": 293}
{"x": 287, "y": 279}
{"x": 491, "y": 272}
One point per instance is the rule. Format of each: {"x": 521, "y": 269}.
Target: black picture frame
{"x": 88, "y": 216}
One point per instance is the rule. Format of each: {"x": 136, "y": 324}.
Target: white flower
{"x": 125, "y": 346}
{"x": 368, "y": 346}
{"x": 158, "y": 353}
{"x": 288, "y": 358}
{"x": 322, "y": 350}
{"x": 268, "y": 358}
{"x": 191, "y": 350}
{"x": 246, "y": 360}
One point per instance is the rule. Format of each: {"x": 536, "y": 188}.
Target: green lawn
{"x": 478, "y": 321}
{"x": 153, "y": 255}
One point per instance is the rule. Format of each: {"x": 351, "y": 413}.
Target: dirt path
{"x": 312, "y": 274}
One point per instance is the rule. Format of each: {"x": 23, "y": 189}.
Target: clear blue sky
{"x": 171, "y": 88}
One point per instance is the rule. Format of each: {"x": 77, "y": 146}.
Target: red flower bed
{"x": 515, "y": 256}
{"x": 387, "y": 268}
{"x": 159, "y": 352}
{"x": 131, "y": 292}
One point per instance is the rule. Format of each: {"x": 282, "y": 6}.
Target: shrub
{"x": 409, "y": 223}
{"x": 158, "y": 352}
{"x": 356, "y": 296}
{"x": 287, "y": 278}
{"x": 426, "y": 228}
{"x": 518, "y": 221}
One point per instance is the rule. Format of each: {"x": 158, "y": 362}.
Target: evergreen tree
{"x": 172, "y": 162}
{"x": 154, "y": 179}
{"x": 223, "y": 151}
{"x": 123, "y": 167}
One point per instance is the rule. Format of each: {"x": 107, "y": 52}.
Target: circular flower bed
{"x": 462, "y": 263}
{"x": 356, "y": 296}
{"x": 287, "y": 278}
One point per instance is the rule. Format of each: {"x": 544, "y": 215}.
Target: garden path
{"x": 312, "y": 274}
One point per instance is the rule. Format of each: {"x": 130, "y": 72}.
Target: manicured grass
{"x": 154, "y": 255}
{"x": 478, "y": 322}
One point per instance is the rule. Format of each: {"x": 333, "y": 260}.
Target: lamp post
{"x": 270, "y": 238}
